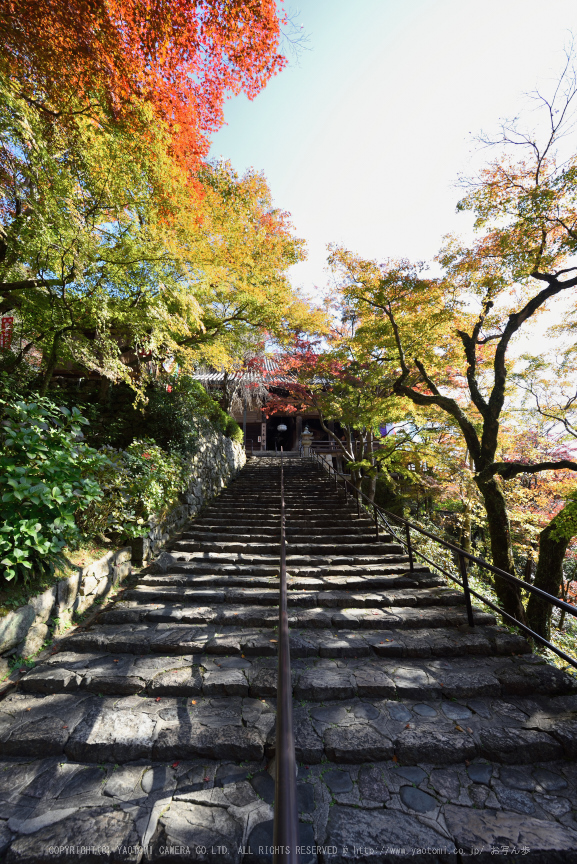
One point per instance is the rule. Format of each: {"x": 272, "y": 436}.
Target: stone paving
{"x": 150, "y": 735}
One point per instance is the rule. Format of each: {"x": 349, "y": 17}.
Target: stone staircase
{"x": 150, "y": 735}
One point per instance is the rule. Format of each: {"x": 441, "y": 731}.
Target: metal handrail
{"x": 385, "y": 515}
{"x": 285, "y": 832}
{"x": 330, "y": 446}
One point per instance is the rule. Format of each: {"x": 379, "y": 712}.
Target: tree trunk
{"x": 466, "y": 528}
{"x": 50, "y": 364}
{"x": 501, "y": 548}
{"x": 548, "y": 577}
{"x": 565, "y": 589}
{"x": 372, "y": 487}
{"x": 225, "y": 397}
{"x": 528, "y": 568}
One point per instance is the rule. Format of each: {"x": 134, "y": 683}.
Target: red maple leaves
{"x": 183, "y": 57}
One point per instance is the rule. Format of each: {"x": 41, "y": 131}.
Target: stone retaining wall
{"x": 24, "y": 631}
{"x": 216, "y": 461}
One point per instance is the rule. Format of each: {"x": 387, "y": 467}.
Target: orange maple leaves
{"x": 181, "y": 56}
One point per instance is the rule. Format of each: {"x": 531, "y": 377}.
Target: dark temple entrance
{"x": 286, "y": 440}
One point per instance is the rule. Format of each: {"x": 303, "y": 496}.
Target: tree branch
{"x": 23, "y": 284}
{"x": 470, "y": 345}
{"x": 507, "y": 470}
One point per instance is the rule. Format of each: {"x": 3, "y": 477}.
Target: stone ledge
{"x": 24, "y": 631}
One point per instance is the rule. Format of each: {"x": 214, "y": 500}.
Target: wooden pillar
{"x": 298, "y": 431}
{"x": 262, "y": 431}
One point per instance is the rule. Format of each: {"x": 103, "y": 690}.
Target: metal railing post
{"x": 376, "y": 522}
{"x": 285, "y": 831}
{"x": 358, "y": 505}
{"x": 409, "y": 547}
{"x": 465, "y": 579}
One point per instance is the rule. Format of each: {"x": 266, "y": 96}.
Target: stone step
{"x": 314, "y": 680}
{"x": 338, "y": 509}
{"x": 321, "y": 501}
{"x": 240, "y": 521}
{"x": 238, "y": 496}
{"x": 267, "y": 524}
{"x": 223, "y": 628}
{"x": 350, "y": 544}
{"x": 273, "y": 502}
{"x": 271, "y": 506}
{"x": 304, "y": 598}
{"x": 316, "y": 617}
{"x": 292, "y": 505}
{"x": 346, "y": 511}
{"x": 405, "y": 579}
{"x": 271, "y": 535}
{"x": 476, "y": 808}
{"x": 397, "y": 567}
{"x": 85, "y": 727}
{"x": 88, "y": 728}
{"x": 404, "y": 679}
{"x": 387, "y": 553}
{"x": 242, "y": 526}
{"x": 437, "y": 731}
{"x": 177, "y": 638}
{"x": 196, "y": 531}
{"x": 234, "y": 545}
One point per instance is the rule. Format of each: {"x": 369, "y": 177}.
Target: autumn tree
{"x": 422, "y": 323}
{"x": 526, "y": 222}
{"x": 109, "y": 57}
{"x": 527, "y": 232}
{"x": 106, "y": 257}
{"x": 446, "y": 473}
{"x": 338, "y": 379}
{"x": 551, "y": 403}
{"x": 116, "y": 241}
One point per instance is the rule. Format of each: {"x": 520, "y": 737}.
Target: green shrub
{"x": 137, "y": 483}
{"x": 233, "y": 431}
{"x": 47, "y": 474}
{"x": 174, "y": 419}
{"x": 387, "y": 495}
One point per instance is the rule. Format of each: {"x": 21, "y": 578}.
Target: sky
{"x": 362, "y": 138}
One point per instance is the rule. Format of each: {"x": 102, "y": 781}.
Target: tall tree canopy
{"x": 448, "y": 338}
{"x": 345, "y": 378}
{"x": 105, "y": 255}
{"x": 183, "y": 57}
{"x": 117, "y": 241}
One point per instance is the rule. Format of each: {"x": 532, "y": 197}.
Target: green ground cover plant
{"x": 61, "y": 494}
{"x": 47, "y": 476}
{"x": 137, "y": 483}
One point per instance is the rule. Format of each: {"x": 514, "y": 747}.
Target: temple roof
{"x": 267, "y": 372}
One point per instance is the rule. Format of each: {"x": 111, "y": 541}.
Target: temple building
{"x": 243, "y": 394}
